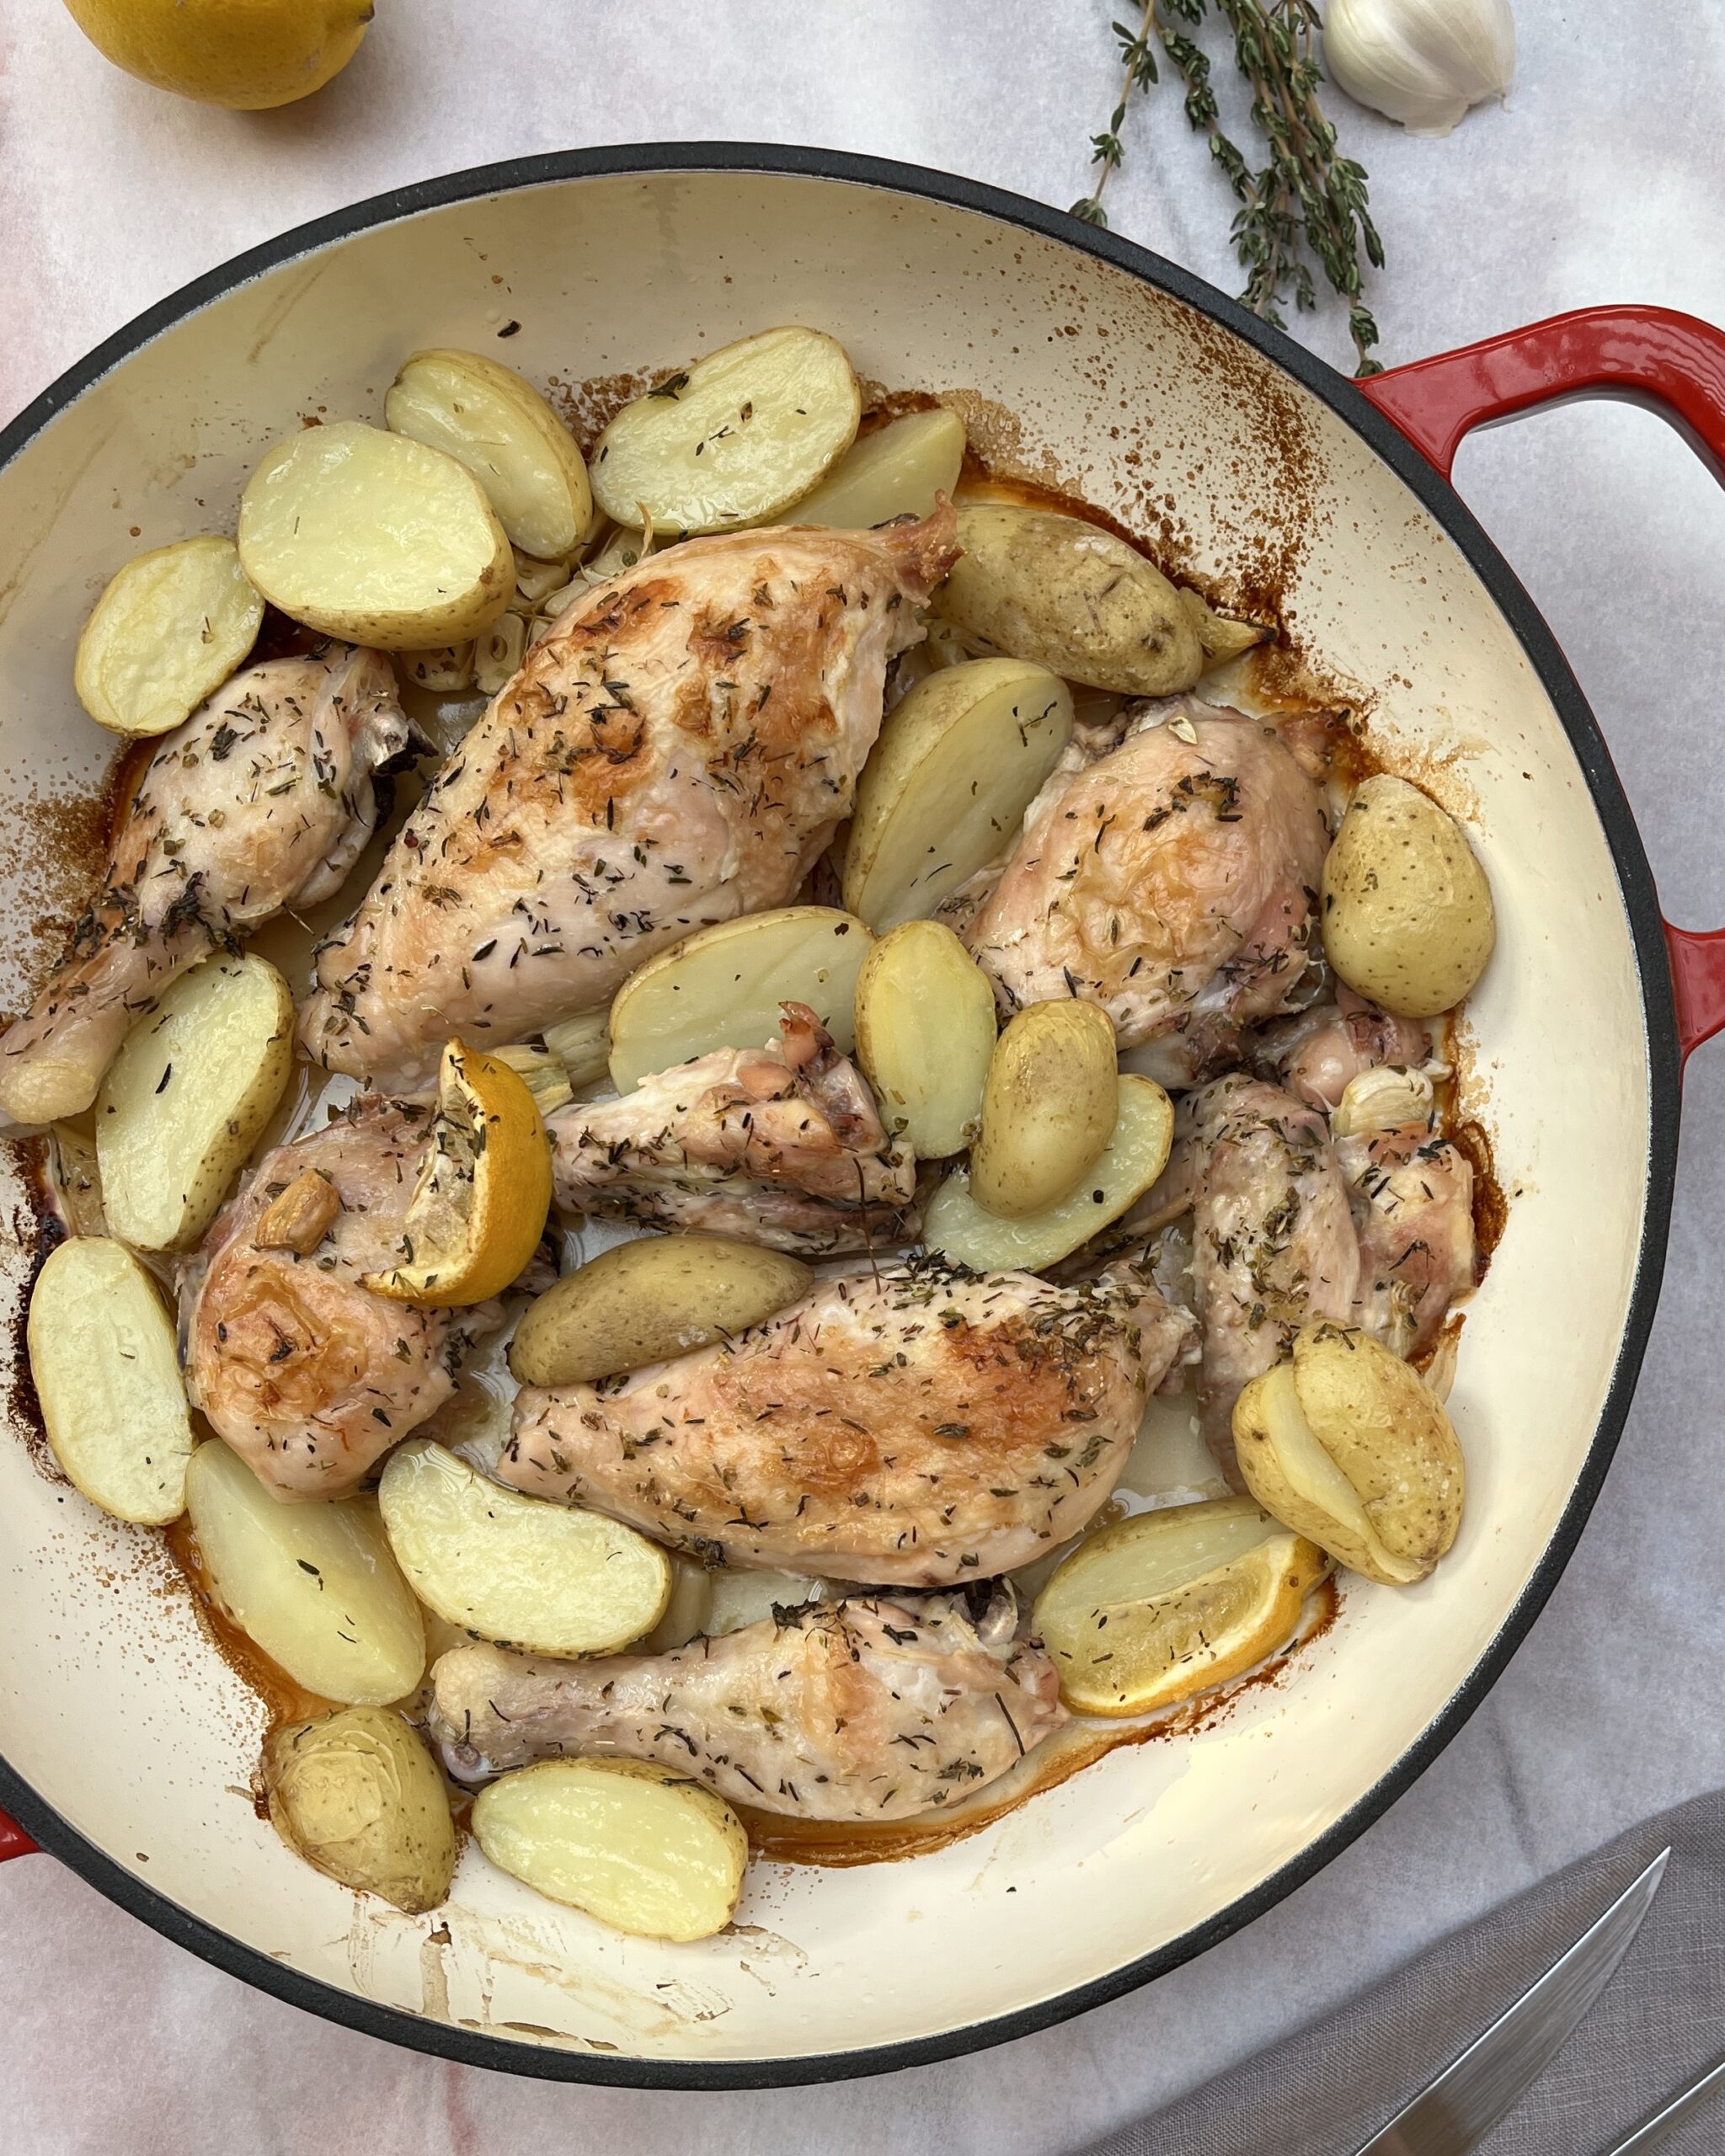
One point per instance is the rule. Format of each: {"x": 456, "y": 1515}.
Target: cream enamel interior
{"x": 112, "y": 1705}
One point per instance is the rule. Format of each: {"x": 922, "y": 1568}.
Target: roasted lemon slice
{"x": 478, "y": 1209}
{"x": 1171, "y": 1603}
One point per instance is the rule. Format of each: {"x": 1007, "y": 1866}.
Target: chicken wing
{"x": 909, "y": 1426}
{"x": 781, "y": 1145}
{"x": 1173, "y": 882}
{"x": 677, "y": 751}
{"x": 309, "y": 1375}
{"x": 263, "y": 798}
{"x": 864, "y": 1709}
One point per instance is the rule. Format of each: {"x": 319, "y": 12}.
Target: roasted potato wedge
{"x": 1048, "y": 1107}
{"x": 169, "y": 629}
{"x": 314, "y": 1584}
{"x": 358, "y": 1795}
{"x": 102, "y": 1357}
{"x": 1347, "y": 1445}
{"x": 925, "y": 1034}
{"x": 642, "y": 1850}
{"x": 1407, "y": 910}
{"x": 646, "y": 1301}
{"x": 487, "y": 417}
{"x": 372, "y": 536}
{"x": 544, "y": 1577}
{"x": 187, "y": 1098}
{"x": 946, "y": 786}
{"x": 1172, "y": 1602}
{"x": 896, "y": 471}
{"x": 1136, "y": 1154}
{"x": 1069, "y": 597}
{"x": 722, "y": 987}
{"x": 732, "y": 441}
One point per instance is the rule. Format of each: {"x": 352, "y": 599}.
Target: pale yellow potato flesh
{"x": 188, "y": 1097}
{"x": 945, "y": 788}
{"x": 371, "y": 537}
{"x": 486, "y": 417}
{"x": 957, "y": 1227}
{"x": 925, "y": 1035}
{"x": 167, "y": 632}
{"x": 103, "y": 1360}
{"x": 358, "y": 1795}
{"x": 1048, "y": 1105}
{"x": 642, "y": 1850}
{"x": 1405, "y": 908}
{"x": 722, "y": 987}
{"x": 733, "y": 440}
{"x": 314, "y": 1584}
{"x": 896, "y": 471}
{"x": 548, "y": 1579}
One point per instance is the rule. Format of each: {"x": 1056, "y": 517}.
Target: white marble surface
{"x": 1604, "y": 179}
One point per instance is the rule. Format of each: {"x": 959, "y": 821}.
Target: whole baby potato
{"x": 926, "y": 1036}
{"x": 1347, "y": 1445}
{"x": 649, "y": 1300}
{"x": 358, "y": 1795}
{"x": 1048, "y": 1105}
{"x": 1069, "y": 597}
{"x": 1407, "y": 918}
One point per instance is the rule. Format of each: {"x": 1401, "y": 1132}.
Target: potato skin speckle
{"x": 1407, "y": 910}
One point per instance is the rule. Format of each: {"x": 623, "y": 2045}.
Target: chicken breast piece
{"x": 864, "y": 1709}
{"x": 307, "y": 1374}
{"x": 910, "y": 1427}
{"x": 1173, "y": 882}
{"x": 781, "y": 1145}
{"x": 1414, "y": 1209}
{"x": 677, "y": 751}
{"x": 263, "y": 798}
{"x": 1317, "y": 1054}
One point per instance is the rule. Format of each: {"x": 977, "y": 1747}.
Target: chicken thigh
{"x": 910, "y": 1427}
{"x": 1173, "y": 882}
{"x": 864, "y": 1708}
{"x": 677, "y": 751}
{"x": 308, "y": 1375}
{"x": 781, "y": 1145}
{"x": 1413, "y": 1209}
{"x": 264, "y": 799}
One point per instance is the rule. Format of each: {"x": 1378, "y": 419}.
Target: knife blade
{"x": 1452, "y": 2113}
{"x": 1670, "y": 2116}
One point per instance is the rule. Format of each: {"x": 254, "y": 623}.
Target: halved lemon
{"x": 479, "y": 1206}
{"x": 1173, "y": 1602}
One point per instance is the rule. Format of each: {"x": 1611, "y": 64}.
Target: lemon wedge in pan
{"x": 479, "y": 1206}
{"x": 1172, "y": 1602}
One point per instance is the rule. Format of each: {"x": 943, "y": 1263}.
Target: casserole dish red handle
{"x": 1673, "y": 364}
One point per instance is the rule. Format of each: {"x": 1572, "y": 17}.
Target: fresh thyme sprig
{"x": 1307, "y": 204}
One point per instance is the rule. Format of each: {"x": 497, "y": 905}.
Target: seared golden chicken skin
{"x": 309, "y": 1375}
{"x": 677, "y": 751}
{"x": 263, "y": 798}
{"x": 781, "y": 1145}
{"x": 1173, "y": 882}
{"x": 865, "y": 1709}
{"x": 910, "y": 1427}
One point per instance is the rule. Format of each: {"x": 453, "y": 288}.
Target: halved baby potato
{"x": 946, "y": 786}
{"x": 528, "y": 1573}
{"x": 736, "y": 438}
{"x": 169, "y": 629}
{"x": 958, "y": 1228}
{"x": 646, "y": 1301}
{"x": 1172, "y": 1602}
{"x": 896, "y": 471}
{"x": 641, "y": 1848}
{"x": 722, "y": 987}
{"x": 1347, "y": 1445}
{"x": 312, "y": 1584}
{"x": 373, "y": 536}
{"x": 487, "y": 417}
{"x": 102, "y": 1357}
{"x": 187, "y": 1098}
{"x": 925, "y": 1034}
{"x": 1048, "y": 1105}
{"x": 358, "y": 1795}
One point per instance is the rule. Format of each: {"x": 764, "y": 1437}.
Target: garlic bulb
{"x": 1421, "y": 62}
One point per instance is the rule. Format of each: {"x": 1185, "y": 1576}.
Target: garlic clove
{"x": 1421, "y": 62}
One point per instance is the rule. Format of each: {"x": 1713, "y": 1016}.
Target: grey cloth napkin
{"x": 1659, "y": 2023}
